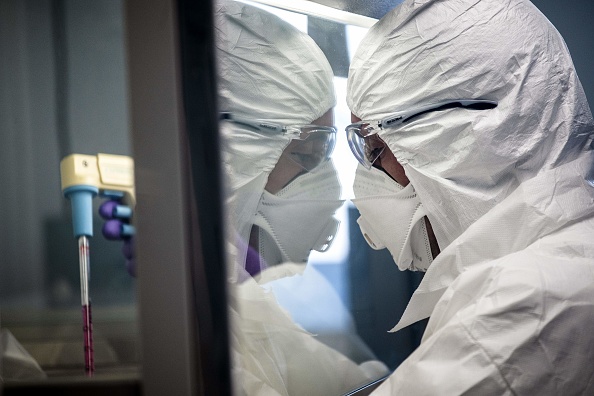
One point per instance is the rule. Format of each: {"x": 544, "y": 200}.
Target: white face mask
{"x": 291, "y": 228}
{"x": 299, "y": 218}
{"x": 392, "y": 217}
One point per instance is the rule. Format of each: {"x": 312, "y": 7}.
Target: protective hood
{"x": 463, "y": 162}
{"x": 267, "y": 70}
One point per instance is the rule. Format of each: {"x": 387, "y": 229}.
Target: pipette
{"x": 84, "y": 177}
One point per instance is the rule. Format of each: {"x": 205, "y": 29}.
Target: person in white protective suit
{"x": 475, "y": 142}
{"x": 276, "y": 100}
{"x": 271, "y": 72}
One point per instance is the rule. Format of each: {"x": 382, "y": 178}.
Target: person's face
{"x": 286, "y": 169}
{"x": 388, "y": 163}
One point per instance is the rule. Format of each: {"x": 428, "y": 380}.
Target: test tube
{"x": 84, "y": 261}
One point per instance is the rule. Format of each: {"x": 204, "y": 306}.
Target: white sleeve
{"x": 518, "y": 326}
{"x": 274, "y": 356}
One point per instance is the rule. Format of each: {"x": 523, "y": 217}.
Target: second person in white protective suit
{"x": 475, "y": 142}
{"x": 276, "y": 95}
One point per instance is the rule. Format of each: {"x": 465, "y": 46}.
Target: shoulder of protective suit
{"x": 527, "y": 315}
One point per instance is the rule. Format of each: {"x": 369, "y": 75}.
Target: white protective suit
{"x": 267, "y": 70}
{"x": 270, "y": 70}
{"x": 508, "y": 192}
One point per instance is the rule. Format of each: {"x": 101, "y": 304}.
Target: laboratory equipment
{"x": 83, "y": 178}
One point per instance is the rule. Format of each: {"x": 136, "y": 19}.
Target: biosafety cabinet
{"x": 155, "y": 82}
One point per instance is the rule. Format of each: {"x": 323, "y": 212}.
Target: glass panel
{"x": 63, "y": 87}
{"x": 311, "y": 302}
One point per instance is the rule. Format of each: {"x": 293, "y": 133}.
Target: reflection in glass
{"x": 283, "y": 192}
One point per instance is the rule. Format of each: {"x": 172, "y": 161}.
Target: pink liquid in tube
{"x": 84, "y": 260}
{"x": 88, "y": 341}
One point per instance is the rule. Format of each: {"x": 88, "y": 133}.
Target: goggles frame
{"x": 270, "y": 127}
{"x": 295, "y": 132}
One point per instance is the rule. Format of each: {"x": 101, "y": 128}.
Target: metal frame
{"x": 180, "y": 251}
{"x": 204, "y": 166}
{"x": 168, "y": 362}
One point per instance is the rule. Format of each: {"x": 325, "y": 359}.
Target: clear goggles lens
{"x": 364, "y": 143}
{"x": 312, "y": 147}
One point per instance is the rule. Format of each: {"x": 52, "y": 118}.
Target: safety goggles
{"x": 311, "y": 145}
{"x": 367, "y": 146}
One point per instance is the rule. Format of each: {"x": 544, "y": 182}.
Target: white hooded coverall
{"x": 508, "y": 192}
